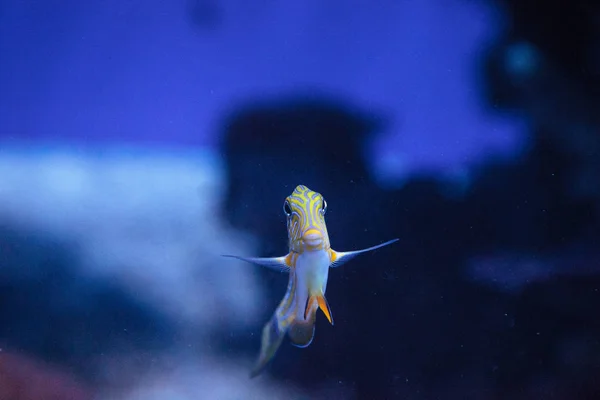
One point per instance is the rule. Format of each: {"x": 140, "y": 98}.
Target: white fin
{"x": 341, "y": 257}
{"x": 275, "y": 263}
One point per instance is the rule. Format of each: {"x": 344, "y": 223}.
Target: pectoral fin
{"x": 341, "y": 257}
{"x": 281, "y": 264}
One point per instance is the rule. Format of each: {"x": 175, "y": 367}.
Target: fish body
{"x": 308, "y": 263}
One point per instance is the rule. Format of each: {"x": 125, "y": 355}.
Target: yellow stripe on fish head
{"x": 305, "y": 211}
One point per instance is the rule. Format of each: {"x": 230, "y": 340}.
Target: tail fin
{"x": 275, "y": 330}
{"x": 271, "y": 340}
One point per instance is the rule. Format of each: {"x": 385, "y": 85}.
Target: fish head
{"x": 305, "y": 212}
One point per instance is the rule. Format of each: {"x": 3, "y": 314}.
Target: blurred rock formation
{"x": 424, "y": 317}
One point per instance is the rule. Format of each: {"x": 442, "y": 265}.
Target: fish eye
{"x": 323, "y": 207}
{"x": 287, "y": 209}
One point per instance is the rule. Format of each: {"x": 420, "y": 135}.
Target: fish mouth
{"x": 312, "y": 238}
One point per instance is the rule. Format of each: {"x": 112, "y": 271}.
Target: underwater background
{"x": 140, "y": 140}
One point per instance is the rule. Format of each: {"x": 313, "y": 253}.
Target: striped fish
{"x": 308, "y": 261}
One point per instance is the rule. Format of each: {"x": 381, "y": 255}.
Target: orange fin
{"x": 323, "y": 305}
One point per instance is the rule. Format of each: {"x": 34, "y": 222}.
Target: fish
{"x": 307, "y": 262}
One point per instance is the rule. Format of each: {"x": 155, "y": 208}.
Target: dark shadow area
{"x": 205, "y": 15}
{"x": 411, "y": 318}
